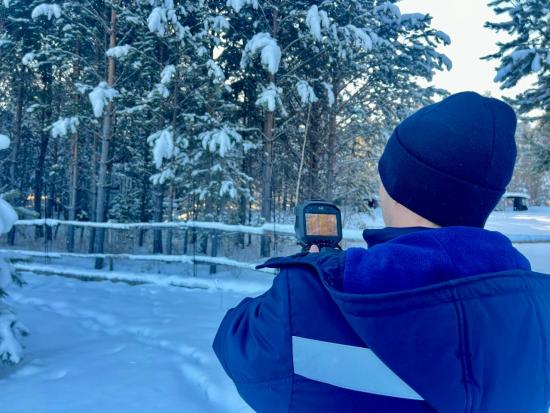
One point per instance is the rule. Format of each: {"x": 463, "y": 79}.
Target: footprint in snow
{"x": 27, "y": 371}
{"x": 57, "y": 375}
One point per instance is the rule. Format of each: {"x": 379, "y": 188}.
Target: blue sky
{"x": 463, "y": 20}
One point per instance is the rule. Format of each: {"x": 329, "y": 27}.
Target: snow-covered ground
{"x": 105, "y": 347}
{"x": 113, "y": 347}
{"x": 535, "y": 221}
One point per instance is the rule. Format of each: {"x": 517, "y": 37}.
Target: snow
{"x": 503, "y": 72}
{"x": 215, "y": 71}
{"x": 8, "y": 217}
{"x": 220, "y": 140}
{"x": 362, "y": 39}
{"x": 237, "y": 5}
{"x": 82, "y": 88}
{"x": 47, "y": 10}
{"x": 5, "y": 275}
{"x": 110, "y": 347}
{"x": 163, "y": 146}
{"x": 4, "y": 142}
{"x": 313, "y": 21}
{"x": 167, "y": 74}
{"x": 156, "y": 22}
{"x": 269, "y": 98}
{"x": 413, "y": 19}
{"x": 536, "y": 65}
{"x": 228, "y": 188}
{"x": 223, "y": 282}
{"x": 330, "y": 94}
{"x": 11, "y": 331}
{"x": 516, "y": 194}
{"x": 388, "y": 12}
{"x": 444, "y": 37}
{"x": 65, "y": 125}
{"x": 258, "y": 230}
{"x": 220, "y": 23}
{"x": 520, "y": 54}
{"x": 6, "y": 3}
{"x": 100, "y": 97}
{"x": 119, "y": 52}
{"x": 28, "y": 58}
{"x": 270, "y": 52}
{"x": 306, "y": 92}
{"x": 446, "y": 61}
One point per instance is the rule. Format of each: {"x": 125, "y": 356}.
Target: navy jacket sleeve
{"x": 253, "y": 344}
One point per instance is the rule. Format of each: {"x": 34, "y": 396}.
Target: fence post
{"x": 11, "y": 236}
{"x": 70, "y": 238}
{"x": 185, "y": 240}
{"x": 214, "y": 251}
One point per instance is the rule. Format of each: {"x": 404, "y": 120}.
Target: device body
{"x": 318, "y": 223}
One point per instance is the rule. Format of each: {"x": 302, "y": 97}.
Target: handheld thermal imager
{"x": 318, "y": 223}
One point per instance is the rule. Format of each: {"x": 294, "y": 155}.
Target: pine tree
{"x": 197, "y": 148}
{"x": 230, "y": 110}
{"x": 324, "y": 76}
{"x": 11, "y": 330}
{"x": 527, "y": 55}
{"x": 527, "y": 52}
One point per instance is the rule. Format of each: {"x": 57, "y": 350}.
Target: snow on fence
{"x": 351, "y": 235}
{"x": 123, "y": 236}
{"x": 269, "y": 228}
{"x": 211, "y": 230}
{"x": 182, "y": 259}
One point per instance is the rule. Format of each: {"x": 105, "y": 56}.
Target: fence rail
{"x": 211, "y": 231}
{"x": 265, "y": 229}
{"x": 268, "y": 228}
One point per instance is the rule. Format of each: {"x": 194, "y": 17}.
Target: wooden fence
{"x": 211, "y": 233}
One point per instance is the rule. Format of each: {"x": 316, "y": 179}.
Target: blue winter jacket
{"x": 445, "y": 320}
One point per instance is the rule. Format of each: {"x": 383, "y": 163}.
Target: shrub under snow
{"x": 11, "y": 330}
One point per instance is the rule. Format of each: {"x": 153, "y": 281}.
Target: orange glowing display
{"x": 322, "y": 225}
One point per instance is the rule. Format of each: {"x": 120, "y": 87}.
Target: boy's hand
{"x": 313, "y": 249}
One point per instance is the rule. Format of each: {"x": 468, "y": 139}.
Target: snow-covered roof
{"x": 516, "y": 195}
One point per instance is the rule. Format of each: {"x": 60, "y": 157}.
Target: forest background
{"x": 233, "y": 110}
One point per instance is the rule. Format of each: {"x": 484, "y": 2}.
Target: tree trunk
{"x": 50, "y": 201}
{"x": 172, "y": 190}
{"x": 73, "y": 170}
{"x": 331, "y": 157}
{"x": 44, "y": 141}
{"x": 267, "y": 176}
{"x": 93, "y": 192}
{"x": 312, "y": 187}
{"x": 106, "y": 136}
{"x": 16, "y": 138}
{"x": 267, "y": 165}
{"x": 159, "y": 215}
{"x": 331, "y": 146}
{"x": 73, "y": 182}
{"x": 170, "y": 236}
{"x": 143, "y": 216}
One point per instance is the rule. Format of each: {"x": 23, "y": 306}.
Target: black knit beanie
{"x": 450, "y": 162}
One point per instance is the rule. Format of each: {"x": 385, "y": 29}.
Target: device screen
{"x": 321, "y": 225}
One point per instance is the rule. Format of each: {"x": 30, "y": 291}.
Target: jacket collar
{"x": 378, "y": 236}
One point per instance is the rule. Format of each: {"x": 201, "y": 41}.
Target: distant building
{"x": 519, "y": 201}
